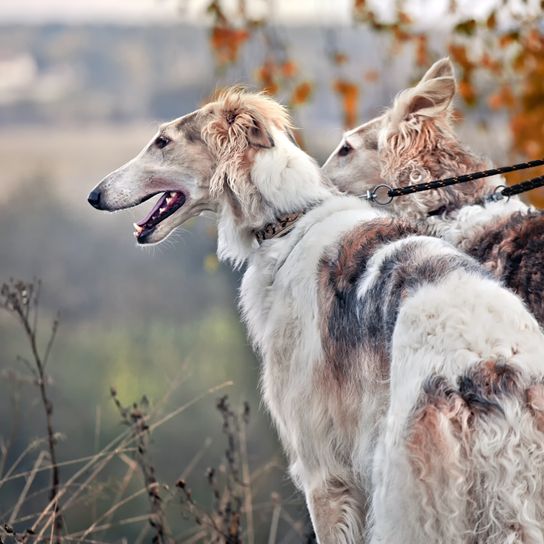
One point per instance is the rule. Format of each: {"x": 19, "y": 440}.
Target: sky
{"x": 165, "y": 10}
{"x": 321, "y": 12}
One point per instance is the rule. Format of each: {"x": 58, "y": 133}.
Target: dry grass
{"x": 227, "y": 515}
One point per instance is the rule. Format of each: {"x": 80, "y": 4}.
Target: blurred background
{"x": 83, "y": 86}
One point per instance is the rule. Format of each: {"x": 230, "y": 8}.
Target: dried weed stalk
{"x": 136, "y": 417}
{"x": 21, "y": 299}
{"x": 229, "y": 485}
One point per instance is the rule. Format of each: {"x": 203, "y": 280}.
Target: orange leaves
{"x": 422, "y": 51}
{"x": 289, "y": 69}
{"x": 467, "y": 91}
{"x": 266, "y": 75}
{"x": 503, "y": 98}
{"x": 527, "y": 108}
{"x": 534, "y": 41}
{"x": 349, "y": 95}
{"x": 509, "y": 38}
{"x": 459, "y": 54}
{"x": 371, "y": 76}
{"x": 225, "y": 39}
{"x": 226, "y": 42}
{"x": 467, "y": 27}
{"x": 403, "y": 18}
{"x": 491, "y": 64}
{"x": 339, "y": 58}
{"x": 537, "y": 198}
{"x": 491, "y": 22}
{"x": 301, "y": 93}
{"x": 273, "y": 76}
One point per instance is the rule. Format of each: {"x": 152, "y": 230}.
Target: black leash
{"x": 389, "y": 193}
{"x": 506, "y": 192}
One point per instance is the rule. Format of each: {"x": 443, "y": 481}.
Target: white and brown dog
{"x": 406, "y": 384}
{"x": 413, "y": 142}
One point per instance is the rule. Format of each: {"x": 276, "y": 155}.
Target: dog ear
{"x": 258, "y": 136}
{"x": 441, "y": 68}
{"x": 432, "y": 96}
{"x": 291, "y": 136}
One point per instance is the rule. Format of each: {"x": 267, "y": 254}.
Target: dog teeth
{"x": 162, "y": 210}
{"x": 169, "y": 199}
{"x": 137, "y": 229}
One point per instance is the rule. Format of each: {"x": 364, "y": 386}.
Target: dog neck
{"x": 288, "y": 182}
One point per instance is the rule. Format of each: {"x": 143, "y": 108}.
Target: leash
{"x": 388, "y": 193}
{"x": 506, "y": 192}
{"x": 284, "y": 224}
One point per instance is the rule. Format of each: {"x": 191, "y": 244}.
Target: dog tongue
{"x": 160, "y": 203}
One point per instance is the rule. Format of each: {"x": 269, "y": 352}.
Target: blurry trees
{"x": 499, "y": 60}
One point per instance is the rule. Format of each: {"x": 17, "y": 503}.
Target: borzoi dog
{"x": 414, "y": 142}
{"x": 405, "y": 383}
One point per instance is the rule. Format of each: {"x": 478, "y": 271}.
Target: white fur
{"x": 462, "y": 225}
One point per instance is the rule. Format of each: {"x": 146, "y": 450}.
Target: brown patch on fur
{"x": 535, "y": 401}
{"x": 445, "y": 414}
{"x": 441, "y": 418}
{"x": 495, "y": 378}
{"x": 338, "y": 277}
{"x": 485, "y": 383}
{"x": 512, "y": 249}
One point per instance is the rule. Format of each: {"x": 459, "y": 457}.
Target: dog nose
{"x": 94, "y": 199}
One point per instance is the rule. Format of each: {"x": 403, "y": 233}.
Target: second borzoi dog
{"x": 413, "y": 142}
{"x": 406, "y": 385}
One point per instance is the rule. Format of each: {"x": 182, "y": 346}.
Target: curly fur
{"x": 494, "y": 477}
{"x": 425, "y": 149}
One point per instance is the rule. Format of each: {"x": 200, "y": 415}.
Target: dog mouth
{"x": 168, "y": 203}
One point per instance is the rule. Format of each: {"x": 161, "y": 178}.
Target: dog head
{"x": 177, "y": 165}
{"x": 354, "y": 166}
{"x": 225, "y": 157}
{"x": 411, "y": 142}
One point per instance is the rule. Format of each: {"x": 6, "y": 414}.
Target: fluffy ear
{"x": 432, "y": 96}
{"x": 258, "y": 136}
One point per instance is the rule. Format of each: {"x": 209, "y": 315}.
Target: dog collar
{"x": 282, "y": 226}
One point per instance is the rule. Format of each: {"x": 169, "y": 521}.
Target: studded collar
{"x": 282, "y": 226}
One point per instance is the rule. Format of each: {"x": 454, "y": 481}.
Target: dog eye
{"x": 344, "y": 150}
{"x": 162, "y": 141}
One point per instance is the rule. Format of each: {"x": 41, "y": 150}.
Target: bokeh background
{"x": 83, "y": 86}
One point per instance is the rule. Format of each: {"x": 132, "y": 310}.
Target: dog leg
{"x": 338, "y": 512}
{"x": 422, "y": 471}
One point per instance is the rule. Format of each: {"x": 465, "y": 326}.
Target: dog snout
{"x": 94, "y": 199}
